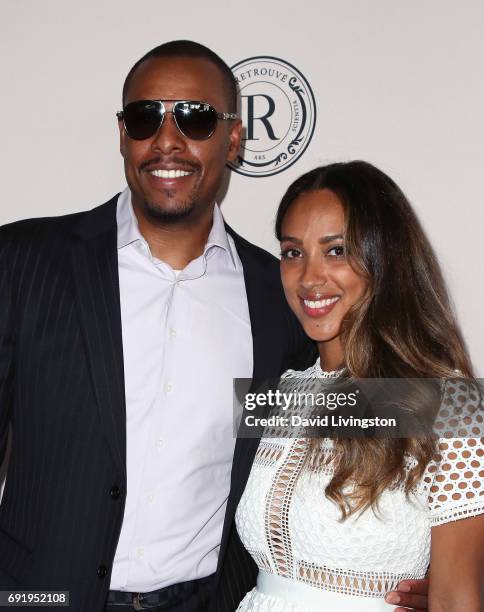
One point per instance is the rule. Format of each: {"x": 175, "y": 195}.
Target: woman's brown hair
{"x": 404, "y": 327}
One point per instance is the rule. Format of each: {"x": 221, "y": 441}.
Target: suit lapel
{"x": 95, "y": 271}
{"x": 264, "y": 297}
{"x": 268, "y": 352}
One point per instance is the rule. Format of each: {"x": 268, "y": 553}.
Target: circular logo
{"x": 278, "y": 112}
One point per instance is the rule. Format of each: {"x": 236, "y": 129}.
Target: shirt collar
{"x": 218, "y": 236}
{"x": 128, "y": 229}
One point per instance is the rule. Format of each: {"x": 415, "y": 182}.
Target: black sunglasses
{"x": 194, "y": 119}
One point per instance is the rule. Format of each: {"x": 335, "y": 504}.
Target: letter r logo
{"x": 278, "y": 112}
{"x": 269, "y": 109}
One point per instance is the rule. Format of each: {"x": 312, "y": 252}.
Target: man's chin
{"x": 168, "y": 213}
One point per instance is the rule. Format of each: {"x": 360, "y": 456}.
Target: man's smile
{"x": 169, "y": 174}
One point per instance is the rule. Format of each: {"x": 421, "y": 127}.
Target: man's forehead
{"x": 181, "y": 69}
{"x": 176, "y": 78}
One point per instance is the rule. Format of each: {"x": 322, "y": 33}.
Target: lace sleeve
{"x": 457, "y": 489}
{"x": 456, "y": 478}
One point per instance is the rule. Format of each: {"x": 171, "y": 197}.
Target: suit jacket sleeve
{"x": 6, "y": 344}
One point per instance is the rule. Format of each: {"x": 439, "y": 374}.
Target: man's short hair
{"x": 188, "y": 48}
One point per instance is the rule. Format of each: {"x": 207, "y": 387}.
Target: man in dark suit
{"x": 121, "y": 329}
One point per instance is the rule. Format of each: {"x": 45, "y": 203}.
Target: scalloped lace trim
{"x": 458, "y": 513}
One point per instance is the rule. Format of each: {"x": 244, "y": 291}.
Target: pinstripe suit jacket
{"x": 62, "y": 390}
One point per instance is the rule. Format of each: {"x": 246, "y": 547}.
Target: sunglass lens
{"x": 142, "y": 118}
{"x": 195, "y": 119}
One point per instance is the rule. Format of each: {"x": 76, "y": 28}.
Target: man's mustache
{"x": 182, "y": 164}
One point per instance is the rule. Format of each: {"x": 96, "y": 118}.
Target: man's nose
{"x": 168, "y": 137}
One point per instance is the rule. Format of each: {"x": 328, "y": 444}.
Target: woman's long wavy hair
{"x": 403, "y": 327}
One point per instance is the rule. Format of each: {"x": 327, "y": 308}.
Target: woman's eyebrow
{"x": 330, "y": 238}
{"x": 291, "y": 239}
{"x": 322, "y": 240}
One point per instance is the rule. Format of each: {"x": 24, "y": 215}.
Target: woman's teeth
{"x": 169, "y": 173}
{"x": 320, "y": 303}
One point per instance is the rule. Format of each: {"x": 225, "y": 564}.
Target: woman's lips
{"x": 319, "y": 308}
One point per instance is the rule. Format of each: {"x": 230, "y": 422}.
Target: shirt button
{"x": 115, "y": 492}
{"x": 168, "y": 388}
{"x": 151, "y": 498}
{"x": 140, "y": 552}
{"x": 159, "y": 442}
{"x": 102, "y": 571}
{"x": 172, "y": 332}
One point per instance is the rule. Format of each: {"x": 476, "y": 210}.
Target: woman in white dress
{"x": 336, "y": 524}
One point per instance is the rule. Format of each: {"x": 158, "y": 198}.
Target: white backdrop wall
{"x": 399, "y": 84}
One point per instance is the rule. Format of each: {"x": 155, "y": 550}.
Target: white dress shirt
{"x": 185, "y": 337}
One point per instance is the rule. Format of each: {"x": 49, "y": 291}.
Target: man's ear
{"x": 122, "y": 137}
{"x": 234, "y": 142}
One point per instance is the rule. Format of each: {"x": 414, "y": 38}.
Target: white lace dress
{"x": 308, "y": 560}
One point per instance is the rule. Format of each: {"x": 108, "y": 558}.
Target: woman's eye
{"x": 336, "y": 251}
{"x": 290, "y": 253}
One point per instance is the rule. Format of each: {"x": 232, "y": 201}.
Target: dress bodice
{"x": 293, "y": 530}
